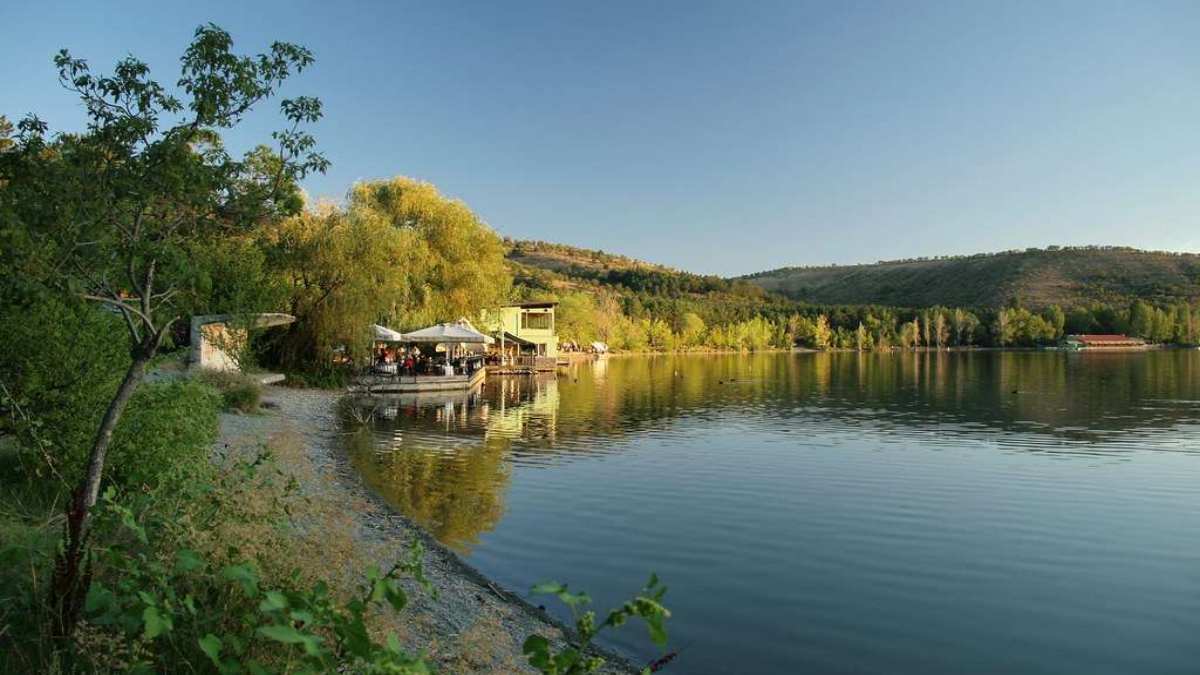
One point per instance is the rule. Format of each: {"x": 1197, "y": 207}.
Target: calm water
{"x": 835, "y": 513}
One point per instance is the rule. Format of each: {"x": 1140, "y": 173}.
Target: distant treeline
{"x": 643, "y": 307}
{"x": 1033, "y": 250}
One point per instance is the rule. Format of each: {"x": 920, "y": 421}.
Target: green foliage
{"x": 60, "y": 364}
{"x": 166, "y": 434}
{"x": 187, "y": 610}
{"x": 454, "y": 262}
{"x": 238, "y": 391}
{"x": 1063, "y": 276}
{"x": 573, "y": 659}
{"x": 400, "y": 253}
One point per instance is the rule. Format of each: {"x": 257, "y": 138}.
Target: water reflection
{"x": 833, "y": 512}
{"x": 445, "y": 459}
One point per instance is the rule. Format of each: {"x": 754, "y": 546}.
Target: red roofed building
{"x": 1104, "y": 342}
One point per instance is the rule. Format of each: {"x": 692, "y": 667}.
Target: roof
{"x": 460, "y": 331}
{"x": 509, "y": 337}
{"x": 1102, "y": 339}
{"x": 533, "y": 305}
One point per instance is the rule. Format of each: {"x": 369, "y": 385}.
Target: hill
{"x": 642, "y": 288}
{"x": 1065, "y": 276}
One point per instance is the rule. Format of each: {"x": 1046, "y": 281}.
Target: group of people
{"x": 399, "y": 361}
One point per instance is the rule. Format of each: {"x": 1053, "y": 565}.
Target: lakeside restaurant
{"x": 443, "y": 357}
{"x": 1104, "y": 342}
{"x": 524, "y": 336}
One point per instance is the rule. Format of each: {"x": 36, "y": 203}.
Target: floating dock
{"x": 411, "y": 384}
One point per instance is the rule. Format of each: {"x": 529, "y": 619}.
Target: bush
{"x": 59, "y": 366}
{"x": 166, "y": 433}
{"x": 238, "y": 391}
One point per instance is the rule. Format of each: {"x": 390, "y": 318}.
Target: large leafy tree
{"x": 112, "y": 213}
{"x": 400, "y": 253}
{"x": 454, "y": 261}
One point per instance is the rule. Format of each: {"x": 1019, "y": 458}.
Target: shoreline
{"x": 475, "y": 624}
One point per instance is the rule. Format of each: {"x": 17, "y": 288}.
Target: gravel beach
{"x": 474, "y": 626}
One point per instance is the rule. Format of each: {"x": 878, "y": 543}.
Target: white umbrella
{"x": 385, "y": 334}
{"x": 457, "y": 332}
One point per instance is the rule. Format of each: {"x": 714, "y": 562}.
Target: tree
{"x": 692, "y": 330}
{"x": 862, "y": 339}
{"x": 1057, "y": 319}
{"x": 1002, "y": 330}
{"x": 964, "y": 324}
{"x": 941, "y": 331}
{"x": 6, "y": 133}
{"x": 1141, "y": 319}
{"x": 342, "y": 275}
{"x": 110, "y": 214}
{"x": 454, "y": 261}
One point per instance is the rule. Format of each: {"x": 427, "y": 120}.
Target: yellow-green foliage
{"x": 400, "y": 253}
{"x": 342, "y": 274}
{"x": 454, "y": 261}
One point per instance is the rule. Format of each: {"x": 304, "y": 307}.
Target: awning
{"x": 509, "y": 337}
{"x": 461, "y": 332}
{"x": 385, "y": 334}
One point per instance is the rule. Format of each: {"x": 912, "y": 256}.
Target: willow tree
{"x": 454, "y": 262}
{"x": 110, "y": 214}
{"x": 342, "y": 274}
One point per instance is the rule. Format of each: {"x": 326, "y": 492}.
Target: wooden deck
{"x": 405, "y": 384}
{"x": 525, "y": 365}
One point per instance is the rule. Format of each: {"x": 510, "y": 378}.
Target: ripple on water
{"x": 838, "y": 513}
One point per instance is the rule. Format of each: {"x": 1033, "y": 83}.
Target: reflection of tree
{"x": 444, "y": 463}
{"x": 456, "y": 493}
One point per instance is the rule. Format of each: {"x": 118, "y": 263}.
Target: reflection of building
{"x": 524, "y": 330}
{"x": 1104, "y": 342}
{"x": 526, "y": 407}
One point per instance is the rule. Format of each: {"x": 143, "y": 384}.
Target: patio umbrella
{"x": 385, "y": 334}
{"x": 456, "y": 332}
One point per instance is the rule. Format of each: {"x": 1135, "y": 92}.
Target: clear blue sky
{"x": 721, "y": 137}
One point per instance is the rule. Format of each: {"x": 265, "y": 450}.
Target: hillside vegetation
{"x": 1034, "y": 277}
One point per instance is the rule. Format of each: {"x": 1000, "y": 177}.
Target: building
{"x": 1090, "y": 342}
{"x": 523, "y": 330}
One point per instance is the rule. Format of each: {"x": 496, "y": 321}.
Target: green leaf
{"x": 284, "y": 634}
{"x": 273, "y": 602}
{"x": 393, "y": 644}
{"x": 155, "y": 623}
{"x": 535, "y": 643}
{"x": 572, "y": 600}
{"x": 99, "y": 599}
{"x": 396, "y": 596}
{"x": 547, "y": 588}
{"x": 658, "y": 632}
{"x": 244, "y": 575}
{"x": 211, "y": 646}
{"x": 289, "y": 635}
{"x": 187, "y": 560}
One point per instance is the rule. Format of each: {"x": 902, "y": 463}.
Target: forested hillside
{"x": 1067, "y": 276}
{"x": 635, "y": 305}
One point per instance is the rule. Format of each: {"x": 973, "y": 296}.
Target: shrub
{"x": 167, "y": 431}
{"x": 238, "y": 391}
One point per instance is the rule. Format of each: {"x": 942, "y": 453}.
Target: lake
{"x": 1018, "y": 512}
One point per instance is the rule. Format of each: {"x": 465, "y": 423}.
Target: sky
{"x": 717, "y": 137}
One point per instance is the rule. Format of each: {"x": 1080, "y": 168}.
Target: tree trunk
{"x": 70, "y": 583}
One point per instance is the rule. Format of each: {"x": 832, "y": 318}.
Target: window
{"x": 537, "y": 320}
